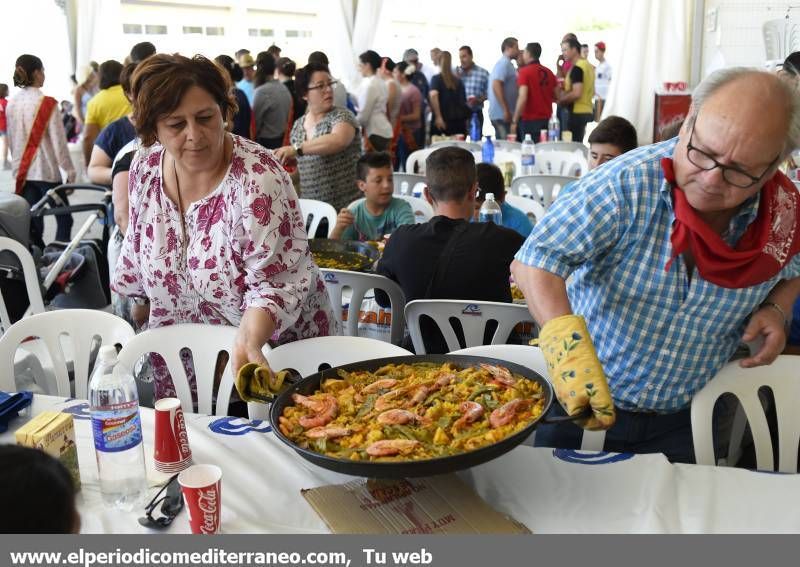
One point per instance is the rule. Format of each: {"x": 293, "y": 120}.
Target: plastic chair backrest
{"x": 423, "y": 212}
{"x": 473, "y": 315}
{"x": 318, "y": 210}
{"x": 471, "y": 146}
{"x": 31, "y": 276}
{"x": 532, "y": 357}
{"x": 530, "y": 207}
{"x": 545, "y": 188}
{"x": 561, "y": 163}
{"x": 562, "y": 147}
{"x": 782, "y": 378}
{"x": 81, "y": 326}
{"x": 415, "y": 163}
{"x": 205, "y": 343}
{"x": 407, "y": 183}
{"x": 506, "y": 145}
{"x": 309, "y": 356}
{"x": 359, "y": 284}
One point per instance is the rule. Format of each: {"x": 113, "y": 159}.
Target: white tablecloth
{"x": 548, "y": 490}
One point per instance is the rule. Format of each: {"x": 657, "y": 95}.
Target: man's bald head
{"x": 758, "y": 104}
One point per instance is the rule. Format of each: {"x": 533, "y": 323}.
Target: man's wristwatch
{"x": 298, "y": 149}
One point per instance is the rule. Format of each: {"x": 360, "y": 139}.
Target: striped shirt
{"x": 476, "y": 83}
{"x": 660, "y": 337}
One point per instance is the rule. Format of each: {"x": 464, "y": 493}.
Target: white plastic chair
{"x": 423, "y": 212}
{"x": 309, "y": 356}
{"x": 531, "y": 357}
{"x": 407, "y": 183}
{"x": 782, "y": 378}
{"x": 545, "y": 188}
{"x": 471, "y": 146}
{"x": 473, "y": 315}
{"x": 415, "y": 163}
{"x": 83, "y": 327}
{"x": 561, "y": 163}
{"x": 317, "y": 210}
{"x": 205, "y": 343}
{"x": 31, "y": 276}
{"x": 529, "y": 206}
{"x": 359, "y": 284}
{"x": 562, "y": 147}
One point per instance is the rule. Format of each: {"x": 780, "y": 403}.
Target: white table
{"x": 542, "y": 488}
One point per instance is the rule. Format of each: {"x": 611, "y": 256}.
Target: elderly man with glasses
{"x": 678, "y": 253}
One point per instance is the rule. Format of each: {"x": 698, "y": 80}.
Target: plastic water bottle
{"x": 487, "y": 152}
{"x": 553, "y": 129}
{"x": 528, "y": 156}
{"x": 117, "y": 430}
{"x": 474, "y": 127}
{"x": 490, "y": 211}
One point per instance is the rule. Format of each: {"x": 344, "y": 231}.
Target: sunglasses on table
{"x": 171, "y": 501}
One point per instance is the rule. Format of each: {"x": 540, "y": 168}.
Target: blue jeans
{"x": 33, "y": 191}
{"x": 635, "y": 432}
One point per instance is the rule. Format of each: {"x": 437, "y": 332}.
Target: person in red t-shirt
{"x": 537, "y": 93}
{"x": 4, "y": 127}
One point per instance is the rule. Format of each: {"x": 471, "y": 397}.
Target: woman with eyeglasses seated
{"x": 215, "y": 233}
{"x": 325, "y": 141}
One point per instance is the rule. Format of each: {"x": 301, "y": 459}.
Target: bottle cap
{"x": 108, "y": 353}
{"x": 528, "y": 138}
{"x": 490, "y": 196}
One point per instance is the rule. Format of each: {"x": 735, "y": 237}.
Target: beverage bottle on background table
{"x": 490, "y": 211}
{"x": 474, "y": 128}
{"x": 487, "y": 152}
{"x": 528, "y": 156}
{"x": 553, "y": 129}
{"x": 117, "y": 431}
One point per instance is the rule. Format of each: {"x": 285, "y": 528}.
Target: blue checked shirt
{"x": 476, "y": 83}
{"x": 659, "y": 337}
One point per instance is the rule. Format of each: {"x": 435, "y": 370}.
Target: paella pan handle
{"x": 292, "y": 376}
{"x": 583, "y": 414}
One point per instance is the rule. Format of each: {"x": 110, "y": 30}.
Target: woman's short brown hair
{"x": 160, "y": 82}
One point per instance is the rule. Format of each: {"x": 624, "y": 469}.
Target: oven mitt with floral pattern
{"x": 257, "y": 383}
{"x": 576, "y": 373}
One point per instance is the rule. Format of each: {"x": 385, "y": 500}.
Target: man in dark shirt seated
{"x": 449, "y": 257}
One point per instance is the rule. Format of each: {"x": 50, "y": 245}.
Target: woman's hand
{"x": 255, "y": 330}
{"x": 286, "y": 155}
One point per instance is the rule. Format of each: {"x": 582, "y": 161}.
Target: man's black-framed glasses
{"x": 171, "y": 501}
{"x": 732, "y": 175}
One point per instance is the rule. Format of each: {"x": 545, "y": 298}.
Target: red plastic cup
{"x": 171, "y": 447}
{"x": 460, "y": 137}
{"x": 543, "y": 135}
{"x": 511, "y": 138}
{"x": 202, "y": 492}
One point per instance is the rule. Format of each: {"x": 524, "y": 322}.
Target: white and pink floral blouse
{"x": 246, "y": 247}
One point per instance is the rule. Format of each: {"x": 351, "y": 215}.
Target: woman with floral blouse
{"x": 215, "y": 230}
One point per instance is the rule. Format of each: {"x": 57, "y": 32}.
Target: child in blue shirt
{"x": 490, "y": 180}
{"x": 379, "y": 213}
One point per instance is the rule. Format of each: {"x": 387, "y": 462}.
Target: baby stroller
{"x": 71, "y": 274}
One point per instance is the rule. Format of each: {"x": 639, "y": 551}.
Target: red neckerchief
{"x": 768, "y": 244}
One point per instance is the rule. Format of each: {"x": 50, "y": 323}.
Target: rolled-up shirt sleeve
{"x": 583, "y": 223}
{"x": 274, "y": 244}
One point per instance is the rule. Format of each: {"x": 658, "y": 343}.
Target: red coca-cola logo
{"x": 207, "y": 503}
{"x": 183, "y": 437}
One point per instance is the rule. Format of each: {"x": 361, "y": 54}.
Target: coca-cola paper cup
{"x": 202, "y": 492}
{"x": 171, "y": 446}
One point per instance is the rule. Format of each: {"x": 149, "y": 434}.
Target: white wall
{"x": 734, "y": 36}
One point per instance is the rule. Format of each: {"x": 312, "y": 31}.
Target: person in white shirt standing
{"x": 373, "y": 96}
{"x": 602, "y": 79}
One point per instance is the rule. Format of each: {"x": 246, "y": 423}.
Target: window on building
{"x": 298, "y": 33}
{"x": 192, "y": 29}
{"x": 155, "y": 30}
{"x": 260, "y": 32}
{"x": 131, "y": 28}
{"x": 215, "y": 30}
